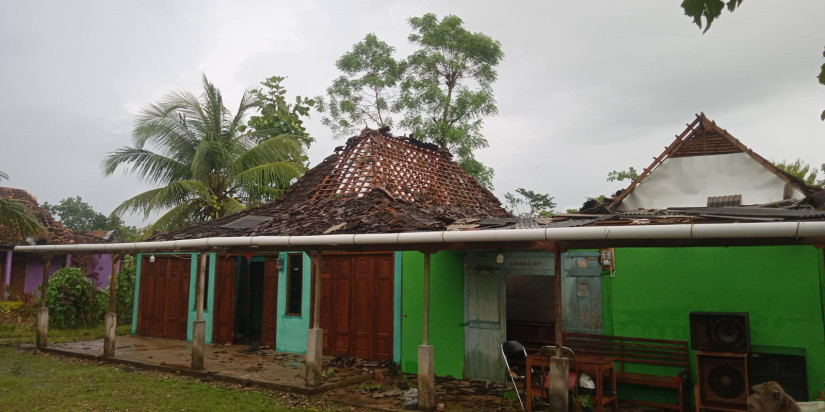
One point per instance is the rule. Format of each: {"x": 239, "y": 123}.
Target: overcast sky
{"x": 584, "y": 88}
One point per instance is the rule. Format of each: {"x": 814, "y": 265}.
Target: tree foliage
{"x": 74, "y": 300}
{"x": 125, "y": 290}
{"x": 276, "y": 116}
{"x": 207, "y": 161}
{"x": 367, "y": 91}
{"x": 803, "y": 171}
{"x": 620, "y": 175}
{"x": 441, "y": 92}
{"x": 538, "y": 204}
{"x": 16, "y": 219}
{"x": 710, "y": 10}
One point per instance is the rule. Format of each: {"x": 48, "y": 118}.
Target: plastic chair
{"x": 515, "y": 358}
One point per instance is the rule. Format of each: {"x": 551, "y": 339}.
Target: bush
{"x": 125, "y": 291}
{"x": 74, "y": 300}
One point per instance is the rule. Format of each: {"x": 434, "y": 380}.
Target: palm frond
{"x": 148, "y": 166}
{"x": 169, "y": 196}
{"x": 17, "y": 221}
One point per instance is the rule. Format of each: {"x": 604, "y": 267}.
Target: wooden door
{"x": 17, "y": 283}
{"x": 485, "y": 328}
{"x": 163, "y": 310}
{"x": 357, "y": 305}
{"x": 269, "y": 323}
{"x": 223, "y": 329}
{"x": 582, "y": 292}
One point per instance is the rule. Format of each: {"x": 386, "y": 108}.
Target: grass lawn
{"x": 57, "y": 383}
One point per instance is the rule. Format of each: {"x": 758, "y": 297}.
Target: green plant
{"x": 125, "y": 290}
{"x": 74, "y": 300}
{"x": 327, "y": 373}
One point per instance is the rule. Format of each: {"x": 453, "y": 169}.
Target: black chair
{"x": 515, "y": 358}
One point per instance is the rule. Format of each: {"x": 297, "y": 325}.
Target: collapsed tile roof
{"x": 376, "y": 183}
{"x": 57, "y": 233}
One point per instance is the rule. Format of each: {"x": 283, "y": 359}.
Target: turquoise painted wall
{"x": 781, "y": 287}
{"x": 292, "y": 330}
{"x": 446, "y": 311}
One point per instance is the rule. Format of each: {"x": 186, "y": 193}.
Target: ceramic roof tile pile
{"x": 57, "y": 233}
{"x": 377, "y": 183}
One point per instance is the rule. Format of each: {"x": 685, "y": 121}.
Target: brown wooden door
{"x": 223, "y": 329}
{"x": 163, "y": 310}
{"x": 17, "y": 283}
{"x": 269, "y": 323}
{"x": 357, "y": 305}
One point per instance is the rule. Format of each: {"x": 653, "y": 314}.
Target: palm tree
{"x": 16, "y": 219}
{"x": 207, "y": 162}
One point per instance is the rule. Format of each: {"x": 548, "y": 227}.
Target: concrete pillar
{"x": 426, "y": 378}
{"x": 43, "y": 314}
{"x": 111, "y": 316}
{"x": 198, "y": 344}
{"x": 315, "y": 346}
{"x": 42, "y": 327}
{"x": 557, "y": 375}
{"x": 110, "y": 326}
{"x": 199, "y": 325}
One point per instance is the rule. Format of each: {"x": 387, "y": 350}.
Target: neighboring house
{"x": 22, "y": 273}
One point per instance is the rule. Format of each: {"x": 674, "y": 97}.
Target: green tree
{"x": 277, "y": 117}
{"x": 804, "y": 171}
{"x": 16, "y": 218}
{"x": 448, "y": 90}
{"x": 366, "y": 94}
{"x": 619, "y": 175}
{"x": 79, "y": 216}
{"x": 208, "y": 163}
{"x": 538, "y": 204}
{"x": 441, "y": 92}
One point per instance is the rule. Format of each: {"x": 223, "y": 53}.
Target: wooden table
{"x": 598, "y": 368}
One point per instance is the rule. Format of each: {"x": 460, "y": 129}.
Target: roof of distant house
{"x": 57, "y": 233}
{"x": 376, "y": 183}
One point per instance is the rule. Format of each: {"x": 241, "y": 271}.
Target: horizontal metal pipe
{"x": 792, "y": 230}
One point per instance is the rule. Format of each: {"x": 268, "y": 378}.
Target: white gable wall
{"x": 689, "y": 181}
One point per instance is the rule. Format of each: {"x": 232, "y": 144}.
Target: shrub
{"x": 74, "y": 300}
{"x": 125, "y": 291}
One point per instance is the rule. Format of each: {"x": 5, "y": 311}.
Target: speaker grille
{"x": 723, "y": 380}
{"x": 720, "y": 331}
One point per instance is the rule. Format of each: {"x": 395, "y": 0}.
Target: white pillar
{"x": 199, "y": 325}
{"x": 315, "y": 336}
{"x": 426, "y": 361}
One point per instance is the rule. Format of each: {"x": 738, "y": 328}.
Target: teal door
{"x": 582, "y": 292}
{"x": 485, "y": 318}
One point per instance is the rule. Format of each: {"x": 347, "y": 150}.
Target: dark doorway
{"x": 249, "y": 301}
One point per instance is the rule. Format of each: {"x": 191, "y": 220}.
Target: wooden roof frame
{"x": 703, "y": 123}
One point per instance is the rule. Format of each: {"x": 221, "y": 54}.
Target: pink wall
{"x": 99, "y": 264}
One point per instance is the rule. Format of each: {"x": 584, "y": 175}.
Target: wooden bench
{"x": 672, "y": 355}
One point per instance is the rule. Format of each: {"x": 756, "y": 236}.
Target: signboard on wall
{"x": 526, "y": 263}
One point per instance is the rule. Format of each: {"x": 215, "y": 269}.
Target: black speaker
{"x": 720, "y": 332}
{"x": 786, "y": 366}
{"x": 723, "y": 380}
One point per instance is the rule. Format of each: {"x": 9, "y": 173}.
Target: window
{"x": 294, "y": 283}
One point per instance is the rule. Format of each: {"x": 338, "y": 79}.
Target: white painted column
{"x": 110, "y": 324}
{"x": 43, "y": 313}
{"x": 426, "y": 361}
{"x": 315, "y": 335}
{"x": 199, "y": 325}
{"x": 7, "y": 275}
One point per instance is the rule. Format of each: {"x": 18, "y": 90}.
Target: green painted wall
{"x": 654, "y": 290}
{"x": 292, "y": 330}
{"x": 446, "y": 311}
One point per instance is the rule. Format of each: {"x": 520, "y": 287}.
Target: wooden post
{"x": 110, "y": 324}
{"x": 559, "y": 366}
{"x": 315, "y": 335}
{"x": 199, "y": 325}
{"x": 5, "y": 277}
{"x": 426, "y": 362}
{"x": 43, "y": 313}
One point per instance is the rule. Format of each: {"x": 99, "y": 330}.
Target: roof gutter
{"x": 784, "y": 230}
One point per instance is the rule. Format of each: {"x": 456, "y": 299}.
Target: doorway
{"x": 246, "y": 298}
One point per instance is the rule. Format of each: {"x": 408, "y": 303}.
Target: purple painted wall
{"x": 101, "y": 265}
